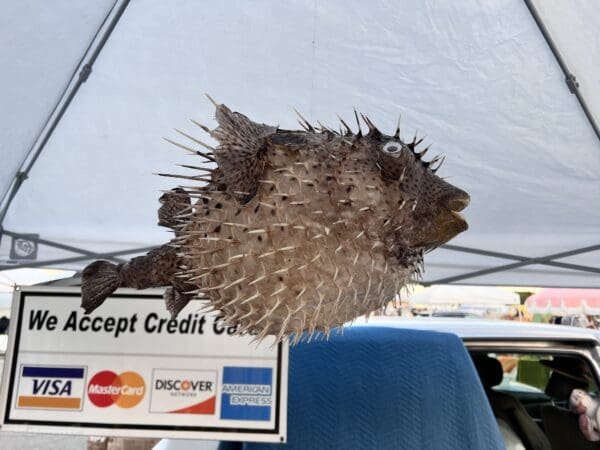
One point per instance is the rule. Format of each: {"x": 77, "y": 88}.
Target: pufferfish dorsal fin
{"x": 238, "y": 154}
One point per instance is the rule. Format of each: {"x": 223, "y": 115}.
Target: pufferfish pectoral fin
{"x": 173, "y": 204}
{"x": 239, "y": 153}
{"x": 175, "y": 301}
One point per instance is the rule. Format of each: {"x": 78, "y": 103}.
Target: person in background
{"x": 576, "y": 320}
{"x": 4, "y": 325}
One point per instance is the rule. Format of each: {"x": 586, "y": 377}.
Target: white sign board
{"x": 129, "y": 370}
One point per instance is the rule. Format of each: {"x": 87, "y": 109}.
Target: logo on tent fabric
{"x": 184, "y": 391}
{"x": 24, "y": 246}
{"x": 247, "y": 393}
{"x": 51, "y": 387}
{"x": 107, "y": 388}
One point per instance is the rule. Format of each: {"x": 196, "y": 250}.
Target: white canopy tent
{"x": 464, "y": 295}
{"x": 90, "y": 89}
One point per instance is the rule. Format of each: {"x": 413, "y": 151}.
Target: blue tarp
{"x": 385, "y": 388}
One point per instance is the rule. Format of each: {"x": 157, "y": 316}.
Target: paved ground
{"x": 25, "y": 441}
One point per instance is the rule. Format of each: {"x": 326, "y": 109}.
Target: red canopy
{"x": 562, "y": 302}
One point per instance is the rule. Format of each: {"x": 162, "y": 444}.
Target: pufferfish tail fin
{"x": 98, "y": 281}
{"x": 238, "y": 154}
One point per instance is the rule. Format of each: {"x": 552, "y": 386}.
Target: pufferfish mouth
{"x": 447, "y": 223}
{"x": 460, "y": 217}
{"x": 457, "y": 204}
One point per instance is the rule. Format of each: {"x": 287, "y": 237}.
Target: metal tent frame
{"x": 83, "y": 72}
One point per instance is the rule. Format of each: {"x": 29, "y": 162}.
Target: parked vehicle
{"x": 528, "y": 371}
{"x": 3, "y": 345}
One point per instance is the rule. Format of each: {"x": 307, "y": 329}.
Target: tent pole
{"x": 79, "y": 77}
{"x": 570, "y": 78}
{"x": 58, "y": 245}
{"x": 527, "y": 262}
{"x": 53, "y": 262}
{"x": 542, "y": 261}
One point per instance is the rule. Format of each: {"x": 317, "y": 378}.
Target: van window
{"x": 530, "y": 373}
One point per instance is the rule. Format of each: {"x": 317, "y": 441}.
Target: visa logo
{"x": 52, "y": 387}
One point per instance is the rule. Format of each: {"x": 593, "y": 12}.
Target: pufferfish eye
{"x": 392, "y": 148}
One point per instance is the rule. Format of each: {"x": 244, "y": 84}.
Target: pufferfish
{"x": 293, "y": 231}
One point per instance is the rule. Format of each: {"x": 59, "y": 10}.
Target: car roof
{"x": 472, "y": 329}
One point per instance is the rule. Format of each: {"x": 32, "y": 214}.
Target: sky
{"x": 25, "y": 277}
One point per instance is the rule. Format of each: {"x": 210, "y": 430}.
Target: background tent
{"x": 88, "y": 91}
{"x": 563, "y": 302}
{"x": 465, "y": 295}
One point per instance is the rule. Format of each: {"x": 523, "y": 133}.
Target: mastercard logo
{"x": 106, "y": 388}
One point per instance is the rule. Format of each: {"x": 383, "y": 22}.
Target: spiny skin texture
{"x": 305, "y": 230}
